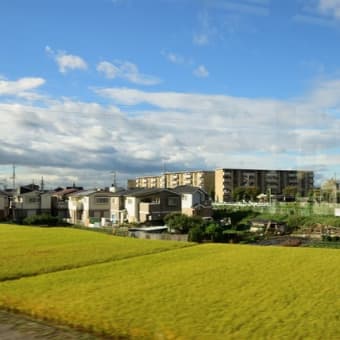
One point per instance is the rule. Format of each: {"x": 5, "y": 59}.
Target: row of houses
{"x": 88, "y": 207}
{"x": 220, "y": 184}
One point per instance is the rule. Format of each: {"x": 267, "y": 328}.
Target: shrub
{"x": 196, "y": 234}
{"x": 42, "y": 220}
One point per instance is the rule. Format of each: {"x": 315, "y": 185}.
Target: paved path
{"x": 18, "y": 327}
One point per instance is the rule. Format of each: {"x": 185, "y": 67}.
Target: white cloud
{"x": 19, "y": 87}
{"x": 174, "y": 58}
{"x": 126, "y": 70}
{"x": 71, "y": 140}
{"x": 330, "y": 7}
{"x": 201, "y": 39}
{"x": 320, "y": 12}
{"x": 201, "y": 72}
{"x": 66, "y": 61}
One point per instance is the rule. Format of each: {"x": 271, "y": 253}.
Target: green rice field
{"x": 29, "y": 251}
{"x": 210, "y": 291}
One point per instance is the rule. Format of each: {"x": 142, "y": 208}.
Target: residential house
{"x": 32, "y": 203}
{"x": 194, "y": 201}
{"x": 4, "y": 205}
{"x": 89, "y": 206}
{"x": 144, "y": 205}
{"x": 330, "y": 191}
{"x": 59, "y": 203}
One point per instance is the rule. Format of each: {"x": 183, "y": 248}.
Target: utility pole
{"x": 13, "y": 177}
{"x": 13, "y": 192}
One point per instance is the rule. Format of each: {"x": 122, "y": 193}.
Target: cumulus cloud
{"x": 66, "y": 62}
{"x": 20, "y": 87}
{"x": 126, "y": 70}
{"x": 201, "y": 72}
{"x": 85, "y": 141}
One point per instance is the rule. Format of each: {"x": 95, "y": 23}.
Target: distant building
{"x": 330, "y": 191}
{"x": 198, "y": 178}
{"x": 267, "y": 181}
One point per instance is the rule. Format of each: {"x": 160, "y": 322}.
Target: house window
{"x": 129, "y": 200}
{"x": 172, "y": 201}
{"x": 102, "y": 200}
{"x": 33, "y": 200}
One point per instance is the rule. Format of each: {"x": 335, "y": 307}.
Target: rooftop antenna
{"x": 113, "y": 178}
{"x": 113, "y": 187}
{"x": 13, "y": 177}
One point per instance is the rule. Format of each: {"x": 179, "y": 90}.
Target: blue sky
{"x": 93, "y": 86}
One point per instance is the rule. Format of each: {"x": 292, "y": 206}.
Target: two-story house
{"x": 32, "y": 203}
{"x": 194, "y": 201}
{"x": 144, "y": 205}
{"x": 89, "y": 206}
{"x": 60, "y": 202}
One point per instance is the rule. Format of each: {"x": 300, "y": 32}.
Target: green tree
{"x": 214, "y": 232}
{"x": 182, "y": 223}
{"x": 196, "y": 234}
{"x": 290, "y": 191}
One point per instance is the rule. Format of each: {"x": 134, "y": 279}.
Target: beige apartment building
{"x": 198, "y": 178}
{"x": 273, "y": 181}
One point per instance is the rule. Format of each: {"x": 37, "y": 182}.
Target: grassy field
{"x": 31, "y": 250}
{"x": 210, "y": 291}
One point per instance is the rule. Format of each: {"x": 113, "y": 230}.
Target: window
{"x": 102, "y": 200}
{"x": 172, "y": 201}
{"x": 33, "y": 200}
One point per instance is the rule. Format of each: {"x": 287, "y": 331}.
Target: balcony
{"x": 149, "y": 208}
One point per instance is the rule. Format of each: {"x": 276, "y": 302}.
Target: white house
{"x": 144, "y": 205}
{"x": 195, "y": 201}
{"x": 89, "y": 206}
{"x": 32, "y": 203}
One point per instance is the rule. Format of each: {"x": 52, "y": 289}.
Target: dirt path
{"x": 18, "y": 327}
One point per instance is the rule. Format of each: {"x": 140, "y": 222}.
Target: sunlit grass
{"x": 31, "y": 250}
{"x": 205, "y": 292}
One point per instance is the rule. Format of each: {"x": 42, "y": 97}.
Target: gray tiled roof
{"x": 186, "y": 189}
{"x": 137, "y": 192}
{"x": 89, "y": 192}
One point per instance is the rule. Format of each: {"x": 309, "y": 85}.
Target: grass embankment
{"x": 211, "y": 291}
{"x": 29, "y": 251}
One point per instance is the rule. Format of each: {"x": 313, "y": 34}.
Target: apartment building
{"x": 198, "y": 178}
{"x": 273, "y": 181}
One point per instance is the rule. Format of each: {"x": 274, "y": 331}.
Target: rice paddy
{"x": 211, "y": 291}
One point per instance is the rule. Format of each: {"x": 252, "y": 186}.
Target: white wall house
{"x": 145, "y": 205}
{"x": 194, "y": 201}
{"x": 89, "y": 206}
{"x": 32, "y": 203}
